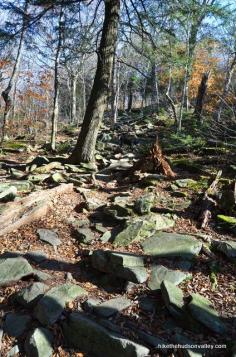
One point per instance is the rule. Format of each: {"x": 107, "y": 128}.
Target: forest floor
{"x": 101, "y": 205}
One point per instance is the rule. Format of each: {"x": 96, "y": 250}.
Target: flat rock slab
{"x": 228, "y": 248}
{"x": 48, "y": 236}
{"x": 30, "y": 295}
{"x": 39, "y": 343}
{"x": 160, "y": 273}
{"x": 51, "y": 305}
{"x": 112, "y": 306}
{"x": 140, "y": 228}
{"x": 164, "y": 244}
{"x": 123, "y": 265}
{"x": 200, "y": 308}
{"x": 13, "y": 269}
{"x": 95, "y": 340}
{"x": 16, "y": 324}
{"x": 8, "y": 194}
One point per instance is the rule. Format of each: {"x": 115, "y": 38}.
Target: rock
{"x": 140, "y": 228}
{"x": 160, "y": 273}
{"x": 100, "y": 228}
{"x": 144, "y": 204}
{"x": 227, "y": 222}
{"x": 17, "y": 174}
{"x": 41, "y": 276}
{"x": 147, "y": 304}
{"x": 46, "y": 235}
{"x": 183, "y": 183}
{"x": 21, "y": 186}
{"x": 39, "y": 161}
{"x": 228, "y": 248}
{"x": 201, "y": 310}
{"x": 88, "y": 166}
{"x": 39, "y": 343}
{"x": 89, "y": 304}
{"x": 14, "y": 351}
{"x": 84, "y": 235}
{"x": 188, "y": 352}
{"x": 58, "y": 178}
{"x": 173, "y": 298}
{"x": 30, "y": 295}
{"x": 16, "y": 324}
{"x": 105, "y": 237}
{"x": 48, "y": 167}
{"x": 38, "y": 178}
{"x": 117, "y": 212}
{"x": 163, "y": 244}
{"x": 8, "y": 194}
{"x": 123, "y": 265}
{"x": 14, "y": 269}
{"x": 95, "y": 340}
{"x": 72, "y": 168}
{"x": 112, "y": 306}
{"x": 51, "y": 305}
{"x": 36, "y": 256}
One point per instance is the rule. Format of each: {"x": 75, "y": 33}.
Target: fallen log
{"x": 13, "y": 215}
{"x": 208, "y": 202}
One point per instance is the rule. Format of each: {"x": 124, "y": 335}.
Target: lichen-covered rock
{"x": 13, "y": 269}
{"x": 163, "y": 244}
{"x": 228, "y": 248}
{"x": 160, "y": 273}
{"x": 30, "y": 295}
{"x": 144, "y": 204}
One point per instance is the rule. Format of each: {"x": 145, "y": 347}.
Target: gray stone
{"x": 112, "y": 306}
{"x": 183, "y": 183}
{"x": 147, "y": 304}
{"x": 30, "y": 295}
{"x": 86, "y": 335}
{"x": 8, "y": 194}
{"x": 39, "y": 343}
{"x": 118, "y": 212}
{"x": 187, "y": 352}
{"x": 13, "y": 269}
{"x": 21, "y": 186}
{"x": 201, "y": 310}
{"x": 144, "y": 204}
{"x": 123, "y": 265}
{"x": 38, "y": 178}
{"x": 140, "y": 228}
{"x": 84, "y": 235}
{"x": 41, "y": 276}
{"x": 37, "y": 256}
{"x": 100, "y": 228}
{"x": 51, "y": 305}
{"x": 173, "y": 298}
{"x": 16, "y": 324}
{"x": 58, "y": 178}
{"x": 14, "y": 351}
{"x": 160, "y": 273}
{"x": 48, "y": 236}
{"x": 163, "y": 244}
{"x": 39, "y": 161}
{"x": 105, "y": 237}
{"x": 228, "y": 248}
{"x": 89, "y": 304}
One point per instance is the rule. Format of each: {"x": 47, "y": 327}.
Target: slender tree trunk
{"x": 73, "y": 109}
{"x": 115, "y": 90}
{"x": 130, "y": 87}
{"x": 6, "y": 92}
{"x": 85, "y": 147}
{"x": 202, "y": 89}
{"x": 228, "y": 80}
{"x": 155, "y": 100}
{"x": 55, "y": 111}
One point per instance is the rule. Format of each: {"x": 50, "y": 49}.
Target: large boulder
{"x": 39, "y": 343}
{"x": 111, "y": 307}
{"x": 123, "y": 265}
{"x": 51, "y": 305}
{"x": 228, "y": 248}
{"x": 160, "y": 273}
{"x": 164, "y": 244}
{"x": 13, "y": 269}
{"x": 95, "y": 340}
{"x": 16, "y": 324}
{"x": 173, "y": 298}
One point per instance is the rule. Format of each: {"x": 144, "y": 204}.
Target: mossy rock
{"x": 227, "y": 222}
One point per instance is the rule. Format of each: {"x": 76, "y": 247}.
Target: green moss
{"x": 199, "y": 185}
{"x": 15, "y": 145}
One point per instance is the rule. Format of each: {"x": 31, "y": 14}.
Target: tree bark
{"x": 201, "y": 96}
{"x": 85, "y": 147}
{"x": 6, "y": 93}
{"x": 115, "y": 90}
{"x": 55, "y": 111}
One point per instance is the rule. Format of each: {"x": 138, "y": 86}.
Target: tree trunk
{"x": 155, "y": 102}
{"x": 85, "y": 147}
{"x": 201, "y": 95}
{"x": 115, "y": 90}
{"x": 6, "y": 92}
{"x": 228, "y": 80}
{"x": 130, "y": 94}
{"x": 55, "y": 111}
